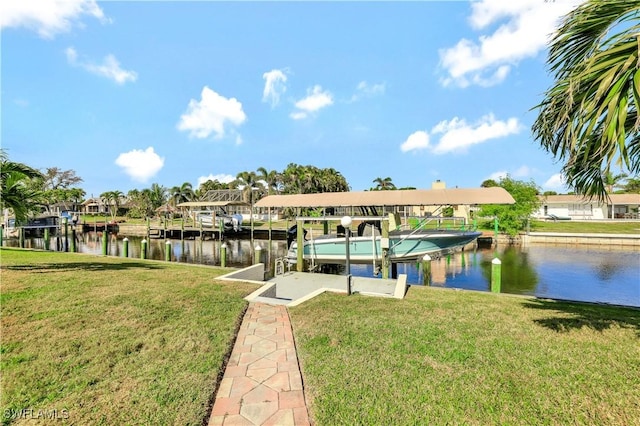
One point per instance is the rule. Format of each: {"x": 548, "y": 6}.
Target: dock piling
{"x": 105, "y": 240}
{"x": 257, "y": 257}
{"x": 426, "y": 270}
{"x": 496, "y": 275}
{"x": 143, "y": 250}
{"x": 223, "y": 255}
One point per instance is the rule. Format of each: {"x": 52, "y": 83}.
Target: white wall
{"x": 574, "y": 211}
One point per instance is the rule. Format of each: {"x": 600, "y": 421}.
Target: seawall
{"x": 622, "y": 240}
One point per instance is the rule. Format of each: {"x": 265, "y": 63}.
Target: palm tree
{"x": 589, "y": 117}
{"x": 15, "y": 194}
{"x": 157, "y": 195}
{"x": 291, "y": 179}
{"x": 612, "y": 181}
{"x": 271, "y": 178}
{"x": 112, "y": 199}
{"x": 181, "y": 194}
{"x": 383, "y": 184}
{"x": 248, "y": 181}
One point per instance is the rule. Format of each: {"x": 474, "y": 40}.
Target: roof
{"x": 407, "y": 197}
{"x": 212, "y": 203}
{"x": 615, "y": 199}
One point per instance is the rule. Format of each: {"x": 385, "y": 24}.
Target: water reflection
{"x": 583, "y": 273}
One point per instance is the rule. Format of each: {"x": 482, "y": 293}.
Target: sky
{"x": 131, "y": 93}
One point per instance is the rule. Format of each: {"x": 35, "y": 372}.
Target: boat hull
{"x": 403, "y": 247}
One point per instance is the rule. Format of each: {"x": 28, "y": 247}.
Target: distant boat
{"x": 210, "y": 219}
{"x": 367, "y": 245}
{"x": 208, "y": 214}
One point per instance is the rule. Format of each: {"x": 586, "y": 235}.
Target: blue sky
{"x": 133, "y": 93}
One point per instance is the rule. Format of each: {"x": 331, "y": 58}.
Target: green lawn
{"x": 455, "y": 357}
{"x": 111, "y": 340}
{"x": 586, "y": 227}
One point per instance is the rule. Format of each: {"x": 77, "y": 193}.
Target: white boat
{"x": 368, "y": 245}
{"x": 211, "y": 219}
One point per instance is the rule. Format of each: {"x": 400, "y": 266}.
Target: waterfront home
{"x": 619, "y": 206}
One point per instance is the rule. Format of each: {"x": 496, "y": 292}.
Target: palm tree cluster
{"x": 589, "y": 117}
{"x": 16, "y": 192}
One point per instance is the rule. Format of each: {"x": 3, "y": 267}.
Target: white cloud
{"x": 416, "y": 141}
{"x": 222, "y": 178}
{"x": 315, "y": 100}
{"x": 555, "y": 182}
{"x": 499, "y": 175}
{"x": 371, "y": 89}
{"x": 140, "y": 165}
{"x": 47, "y": 17}
{"x": 212, "y": 114}
{"x": 458, "y": 135}
{"x": 366, "y": 90}
{"x": 298, "y": 115}
{"x": 110, "y": 67}
{"x": 525, "y": 31}
{"x": 274, "y": 86}
{"x": 522, "y": 171}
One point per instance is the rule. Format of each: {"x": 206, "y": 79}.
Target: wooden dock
{"x": 190, "y": 233}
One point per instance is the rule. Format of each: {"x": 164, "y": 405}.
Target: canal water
{"x": 571, "y": 272}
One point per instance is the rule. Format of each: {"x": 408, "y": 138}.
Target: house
{"x": 459, "y": 210}
{"x": 94, "y": 206}
{"x": 619, "y": 206}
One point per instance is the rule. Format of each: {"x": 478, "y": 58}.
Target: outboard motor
{"x": 236, "y": 221}
{"x": 369, "y": 228}
{"x": 292, "y": 234}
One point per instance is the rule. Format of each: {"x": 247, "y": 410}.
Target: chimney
{"x": 438, "y": 184}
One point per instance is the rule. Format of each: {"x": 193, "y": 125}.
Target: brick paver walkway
{"x": 262, "y": 384}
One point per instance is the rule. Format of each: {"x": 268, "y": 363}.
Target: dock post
{"x": 148, "y": 227}
{"x": 164, "y": 226}
{"x": 496, "y": 275}
{"x": 47, "y": 239}
{"x": 223, "y": 255}
{"x": 257, "y": 257}
{"x": 426, "y": 270}
{"x": 74, "y": 248}
{"x": 167, "y": 251}
{"x": 495, "y": 229}
{"x": 300, "y": 245}
{"x": 105, "y": 240}
{"x": 66, "y": 234}
{"x": 125, "y": 247}
{"x": 1, "y": 235}
{"x": 394, "y": 270}
{"x": 385, "y": 250}
{"x": 143, "y": 250}
{"x": 21, "y": 237}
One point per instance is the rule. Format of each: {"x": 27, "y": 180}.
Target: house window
{"x": 580, "y": 210}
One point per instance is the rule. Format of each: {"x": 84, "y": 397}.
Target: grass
{"x": 595, "y": 227}
{"x": 111, "y": 340}
{"x": 453, "y": 357}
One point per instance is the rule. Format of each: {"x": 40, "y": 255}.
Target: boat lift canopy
{"x": 212, "y": 203}
{"x": 404, "y": 197}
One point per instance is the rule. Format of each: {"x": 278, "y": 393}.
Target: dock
{"x": 291, "y": 288}
{"x": 190, "y": 233}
